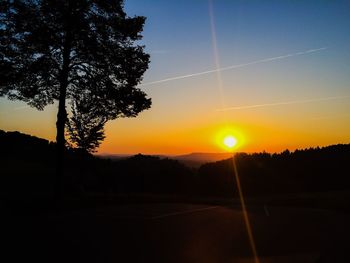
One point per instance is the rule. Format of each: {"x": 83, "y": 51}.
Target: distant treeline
{"x": 309, "y": 170}
{"x": 28, "y": 168}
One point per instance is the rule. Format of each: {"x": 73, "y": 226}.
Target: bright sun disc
{"x": 230, "y": 141}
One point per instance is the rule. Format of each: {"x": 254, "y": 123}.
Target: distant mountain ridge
{"x": 195, "y": 159}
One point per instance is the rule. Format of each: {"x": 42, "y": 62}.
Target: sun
{"x": 230, "y": 141}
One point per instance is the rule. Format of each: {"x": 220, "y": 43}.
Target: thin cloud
{"x": 333, "y": 116}
{"x": 282, "y": 103}
{"x": 235, "y": 66}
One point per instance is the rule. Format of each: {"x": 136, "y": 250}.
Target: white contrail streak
{"x": 282, "y": 103}
{"x": 234, "y": 66}
{"x": 21, "y": 108}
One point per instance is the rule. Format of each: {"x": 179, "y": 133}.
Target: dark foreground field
{"x": 176, "y": 232}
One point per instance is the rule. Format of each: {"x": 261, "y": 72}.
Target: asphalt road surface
{"x": 176, "y": 233}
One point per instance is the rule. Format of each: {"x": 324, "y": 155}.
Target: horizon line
{"x": 238, "y": 152}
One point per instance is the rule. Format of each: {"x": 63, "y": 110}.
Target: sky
{"x": 274, "y": 74}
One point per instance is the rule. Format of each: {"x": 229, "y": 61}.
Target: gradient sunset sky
{"x": 285, "y": 81}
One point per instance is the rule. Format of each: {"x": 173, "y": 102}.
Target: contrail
{"x": 282, "y": 103}
{"x": 235, "y": 66}
{"x": 21, "y": 107}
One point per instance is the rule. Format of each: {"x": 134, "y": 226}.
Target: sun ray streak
{"x": 245, "y": 213}
{"x": 234, "y": 66}
{"x": 229, "y": 140}
{"x": 216, "y": 52}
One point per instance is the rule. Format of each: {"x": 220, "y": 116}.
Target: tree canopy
{"x": 54, "y": 49}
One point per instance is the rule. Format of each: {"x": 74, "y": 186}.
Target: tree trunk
{"x": 60, "y": 143}
{"x": 62, "y": 113}
{"x": 60, "y": 126}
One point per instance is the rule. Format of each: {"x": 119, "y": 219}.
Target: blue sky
{"x": 246, "y": 30}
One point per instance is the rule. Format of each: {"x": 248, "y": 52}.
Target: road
{"x": 177, "y": 233}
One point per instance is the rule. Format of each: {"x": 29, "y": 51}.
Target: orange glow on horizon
{"x": 199, "y": 130}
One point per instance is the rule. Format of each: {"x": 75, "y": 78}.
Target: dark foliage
{"x": 85, "y": 127}
{"x": 217, "y": 179}
{"x": 309, "y": 170}
{"x": 81, "y": 46}
{"x": 142, "y": 173}
{"x": 26, "y": 169}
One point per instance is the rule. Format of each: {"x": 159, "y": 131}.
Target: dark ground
{"x": 175, "y": 232}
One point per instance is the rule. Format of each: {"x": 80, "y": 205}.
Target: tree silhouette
{"x": 85, "y": 127}
{"x": 50, "y": 50}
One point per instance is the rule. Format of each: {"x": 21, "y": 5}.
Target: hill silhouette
{"x": 193, "y": 160}
{"x": 19, "y": 145}
{"x": 197, "y": 159}
{"x": 27, "y": 168}
{"x": 308, "y": 170}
